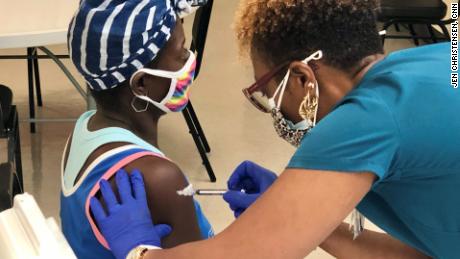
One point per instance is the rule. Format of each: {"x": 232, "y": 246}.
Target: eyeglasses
{"x": 253, "y": 93}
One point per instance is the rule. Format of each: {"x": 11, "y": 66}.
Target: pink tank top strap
{"x": 122, "y": 163}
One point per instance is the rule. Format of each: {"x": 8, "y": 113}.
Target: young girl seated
{"x": 132, "y": 56}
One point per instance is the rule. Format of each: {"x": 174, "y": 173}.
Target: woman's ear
{"x": 137, "y": 83}
{"x": 302, "y": 74}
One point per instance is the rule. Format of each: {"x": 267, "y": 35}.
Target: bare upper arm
{"x": 299, "y": 211}
{"x": 296, "y": 214}
{"x": 162, "y": 179}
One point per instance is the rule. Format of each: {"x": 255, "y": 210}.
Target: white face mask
{"x": 286, "y": 129}
{"x": 178, "y": 95}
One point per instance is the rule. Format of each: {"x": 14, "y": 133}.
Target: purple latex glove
{"x": 251, "y": 178}
{"x": 128, "y": 223}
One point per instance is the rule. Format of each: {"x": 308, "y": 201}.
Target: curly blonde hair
{"x": 282, "y": 30}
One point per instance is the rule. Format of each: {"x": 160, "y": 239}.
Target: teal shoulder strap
{"x": 85, "y": 142}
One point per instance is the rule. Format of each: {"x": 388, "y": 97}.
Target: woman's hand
{"x": 246, "y": 184}
{"x": 127, "y": 224}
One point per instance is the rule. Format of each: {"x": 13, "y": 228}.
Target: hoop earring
{"x": 136, "y": 109}
{"x": 307, "y": 109}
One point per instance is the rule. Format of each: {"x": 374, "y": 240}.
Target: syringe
{"x": 210, "y": 191}
{"x": 189, "y": 191}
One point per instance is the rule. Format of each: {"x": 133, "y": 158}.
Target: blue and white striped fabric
{"x": 109, "y": 40}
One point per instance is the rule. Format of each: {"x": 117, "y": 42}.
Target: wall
{"x": 449, "y": 2}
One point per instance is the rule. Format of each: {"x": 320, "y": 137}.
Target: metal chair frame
{"x": 199, "y": 35}
{"x": 9, "y": 129}
{"x": 413, "y": 35}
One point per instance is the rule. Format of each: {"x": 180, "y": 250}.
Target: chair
{"x": 414, "y": 12}
{"x": 9, "y": 129}
{"x": 199, "y": 34}
{"x": 33, "y": 74}
{"x": 6, "y": 186}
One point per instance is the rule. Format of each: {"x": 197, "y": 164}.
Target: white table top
{"x": 29, "y": 23}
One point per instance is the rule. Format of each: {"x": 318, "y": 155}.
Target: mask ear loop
{"x": 147, "y": 99}
{"x": 282, "y": 88}
{"x": 165, "y": 74}
{"x": 174, "y": 74}
{"x": 315, "y": 56}
{"x": 317, "y": 103}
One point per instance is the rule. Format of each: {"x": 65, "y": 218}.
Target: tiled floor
{"x": 235, "y": 130}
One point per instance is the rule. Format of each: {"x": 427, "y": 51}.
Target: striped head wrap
{"x": 109, "y": 40}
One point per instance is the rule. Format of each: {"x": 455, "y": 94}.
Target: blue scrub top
{"x": 402, "y": 123}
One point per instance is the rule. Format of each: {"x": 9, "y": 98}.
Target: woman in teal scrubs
{"x": 377, "y": 133}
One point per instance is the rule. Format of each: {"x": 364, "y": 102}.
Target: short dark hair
{"x": 284, "y": 30}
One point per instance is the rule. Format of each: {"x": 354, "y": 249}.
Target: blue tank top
{"x": 82, "y": 237}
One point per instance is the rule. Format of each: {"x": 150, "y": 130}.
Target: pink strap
{"x": 107, "y": 176}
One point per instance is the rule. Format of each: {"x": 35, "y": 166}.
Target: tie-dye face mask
{"x": 178, "y": 94}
